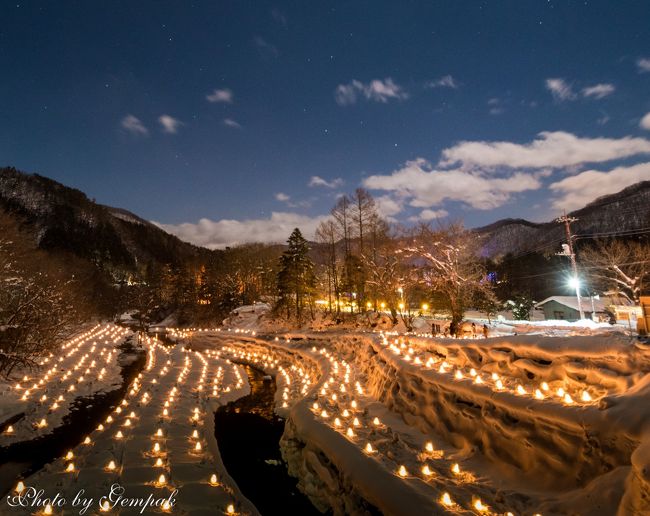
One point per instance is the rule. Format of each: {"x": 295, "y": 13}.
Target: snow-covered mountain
{"x": 625, "y": 214}
{"x": 64, "y": 219}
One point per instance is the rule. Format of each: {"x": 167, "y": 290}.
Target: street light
{"x": 574, "y": 282}
{"x": 425, "y": 307}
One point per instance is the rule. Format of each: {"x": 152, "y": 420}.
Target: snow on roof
{"x": 572, "y": 302}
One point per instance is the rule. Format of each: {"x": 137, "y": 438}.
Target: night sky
{"x": 234, "y": 121}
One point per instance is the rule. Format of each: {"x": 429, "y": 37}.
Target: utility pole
{"x": 568, "y": 251}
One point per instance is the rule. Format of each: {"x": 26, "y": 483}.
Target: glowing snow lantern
{"x": 70, "y": 468}
{"x": 455, "y": 469}
{"x": 20, "y": 487}
{"x": 48, "y": 509}
{"x": 479, "y": 506}
{"x": 429, "y": 447}
{"x": 350, "y": 432}
{"x": 538, "y": 394}
{"x": 161, "y": 480}
{"x": 520, "y": 390}
{"x": 213, "y": 480}
{"x": 197, "y": 447}
{"x": 159, "y": 462}
{"x": 585, "y": 396}
{"x": 111, "y": 465}
{"x": 402, "y": 471}
{"x": 9, "y": 430}
{"x": 104, "y": 506}
{"x": 458, "y": 375}
{"x": 159, "y": 432}
{"x": 119, "y": 434}
{"x": 42, "y": 423}
{"x": 369, "y": 448}
{"x": 69, "y": 455}
{"x": 568, "y": 399}
{"x": 337, "y": 422}
{"x": 195, "y": 434}
{"x": 426, "y": 471}
{"x": 544, "y": 386}
{"x": 230, "y": 509}
{"x": 499, "y": 384}
{"x": 446, "y": 500}
{"x": 356, "y": 422}
{"x": 156, "y": 447}
{"x": 376, "y": 421}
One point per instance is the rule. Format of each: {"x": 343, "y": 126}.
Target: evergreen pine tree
{"x": 296, "y": 279}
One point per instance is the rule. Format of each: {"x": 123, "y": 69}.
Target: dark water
{"x": 248, "y": 433}
{"x": 21, "y": 459}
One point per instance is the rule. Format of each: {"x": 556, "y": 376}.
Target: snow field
{"x": 160, "y": 438}
{"x": 88, "y": 364}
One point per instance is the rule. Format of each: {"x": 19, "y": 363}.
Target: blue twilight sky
{"x": 228, "y": 121}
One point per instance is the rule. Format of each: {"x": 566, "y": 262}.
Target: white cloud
{"x": 645, "y": 122}
{"x": 427, "y": 187}
{"x": 376, "y": 90}
{"x": 169, "y": 124}
{"x": 266, "y": 49}
{"x": 226, "y": 232}
{"x": 576, "y": 191}
{"x": 444, "y": 82}
{"x": 550, "y": 149}
{"x": 643, "y": 64}
{"x": 282, "y": 197}
{"x": 598, "y": 91}
{"x": 496, "y": 106}
{"x": 134, "y": 125}
{"x": 429, "y": 215}
{"x": 388, "y": 207}
{"x": 224, "y": 95}
{"x": 319, "y": 181}
{"x": 560, "y": 89}
{"x": 231, "y": 123}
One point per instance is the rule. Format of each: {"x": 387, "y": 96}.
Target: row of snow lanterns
{"x": 74, "y": 345}
{"x": 112, "y": 467}
{"x": 271, "y": 361}
{"x": 445, "y": 499}
{"x": 353, "y": 427}
{"x": 544, "y": 391}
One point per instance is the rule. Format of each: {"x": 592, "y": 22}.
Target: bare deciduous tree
{"x": 451, "y": 265}
{"x": 618, "y": 267}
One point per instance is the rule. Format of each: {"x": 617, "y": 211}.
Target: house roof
{"x": 572, "y": 302}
